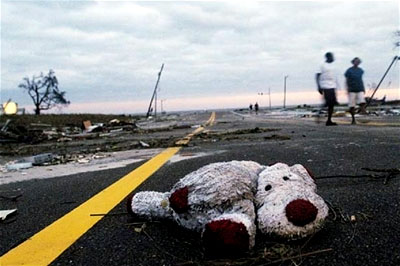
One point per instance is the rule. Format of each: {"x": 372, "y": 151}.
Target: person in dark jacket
{"x": 355, "y": 87}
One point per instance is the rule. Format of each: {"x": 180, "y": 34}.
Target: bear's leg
{"x": 233, "y": 231}
{"x": 149, "y": 205}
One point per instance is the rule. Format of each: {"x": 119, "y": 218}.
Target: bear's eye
{"x": 285, "y": 178}
{"x": 267, "y": 187}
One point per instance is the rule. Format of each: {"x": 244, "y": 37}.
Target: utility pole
{"x": 155, "y": 92}
{"x": 162, "y": 105}
{"x": 269, "y": 94}
{"x": 284, "y": 92}
{"x": 380, "y": 82}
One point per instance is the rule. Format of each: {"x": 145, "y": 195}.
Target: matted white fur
{"x": 151, "y": 204}
{"x": 236, "y": 191}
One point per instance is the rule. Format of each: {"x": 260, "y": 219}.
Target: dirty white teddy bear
{"x": 228, "y": 201}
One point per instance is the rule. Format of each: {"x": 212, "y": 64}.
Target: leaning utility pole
{"x": 284, "y": 92}
{"x": 155, "y": 92}
{"x": 380, "y": 82}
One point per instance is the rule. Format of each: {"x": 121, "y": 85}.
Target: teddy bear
{"x": 227, "y": 202}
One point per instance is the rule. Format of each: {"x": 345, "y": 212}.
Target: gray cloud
{"x": 111, "y": 51}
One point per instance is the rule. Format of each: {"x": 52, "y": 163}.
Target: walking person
{"x": 256, "y": 108}
{"x": 355, "y": 87}
{"x": 327, "y": 82}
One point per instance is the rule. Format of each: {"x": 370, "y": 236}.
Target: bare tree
{"x": 44, "y": 91}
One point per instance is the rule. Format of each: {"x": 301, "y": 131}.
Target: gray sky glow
{"x": 109, "y": 53}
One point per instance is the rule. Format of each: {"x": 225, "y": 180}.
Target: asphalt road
{"x": 373, "y": 239}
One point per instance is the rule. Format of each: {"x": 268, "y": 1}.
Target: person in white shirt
{"x": 327, "y": 82}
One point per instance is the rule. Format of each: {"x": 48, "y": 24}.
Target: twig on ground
{"x": 332, "y": 208}
{"x": 390, "y": 170}
{"x": 344, "y": 218}
{"x": 12, "y": 198}
{"x": 144, "y": 222}
{"x": 353, "y": 234}
{"x": 299, "y": 256}
{"x": 307, "y": 241}
{"x": 365, "y": 216}
{"x": 392, "y": 173}
{"x": 160, "y": 249}
{"x": 346, "y": 176}
{"x": 109, "y": 214}
{"x": 338, "y": 212}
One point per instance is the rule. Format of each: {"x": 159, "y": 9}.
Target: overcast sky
{"x": 216, "y": 54}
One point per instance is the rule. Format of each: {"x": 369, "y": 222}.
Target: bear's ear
{"x": 303, "y": 172}
{"x": 253, "y": 166}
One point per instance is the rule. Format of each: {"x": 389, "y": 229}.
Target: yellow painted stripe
{"x": 198, "y": 130}
{"x": 48, "y": 244}
{"x": 211, "y": 120}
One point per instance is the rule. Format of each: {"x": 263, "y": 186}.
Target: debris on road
{"x": 15, "y": 166}
{"x": 242, "y": 134}
{"x": 40, "y": 159}
{"x": 140, "y": 229}
{"x": 83, "y": 161}
{"x": 88, "y": 127}
{"x": 277, "y": 137}
{"x": 144, "y": 144}
{"x": 28, "y": 135}
{"x": 5, "y": 213}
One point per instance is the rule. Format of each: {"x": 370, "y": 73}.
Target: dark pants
{"x": 330, "y": 97}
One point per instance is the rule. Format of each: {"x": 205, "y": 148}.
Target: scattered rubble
{"x": 40, "y": 159}
{"x": 16, "y": 130}
{"x": 69, "y": 164}
{"x": 144, "y": 144}
{"x": 5, "y": 213}
{"x": 14, "y": 166}
{"x": 243, "y": 134}
{"x": 27, "y": 135}
{"x": 277, "y": 137}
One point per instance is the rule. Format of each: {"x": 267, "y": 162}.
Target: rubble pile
{"x": 47, "y": 159}
{"x": 243, "y": 134}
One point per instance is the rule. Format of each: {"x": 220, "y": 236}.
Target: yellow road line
{"x": 48, "y": 244}
{"x": 211, "y": 120}
{"x": 198, "y": 130}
